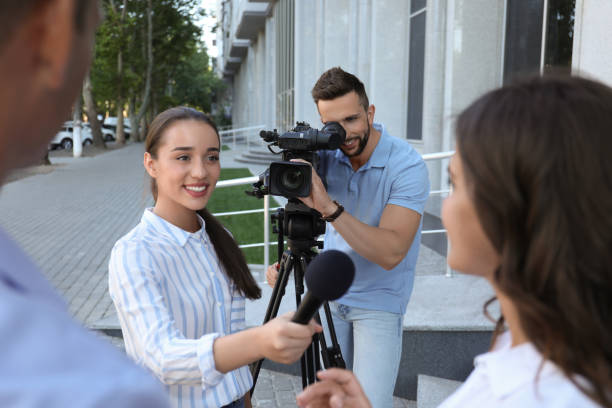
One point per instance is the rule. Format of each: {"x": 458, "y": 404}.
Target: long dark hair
{"x": 537, "y": 156}
{"x": 227, "y": 250}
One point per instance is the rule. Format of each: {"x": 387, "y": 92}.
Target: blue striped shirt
{"x": 173, "y": 300}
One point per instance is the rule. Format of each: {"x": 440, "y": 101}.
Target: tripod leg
{"x": 317, "y": 353}
{"x": 334, "y": 354}
{"x": 309, "y": 357}
{"x": 284, "y": 270}
{"x": 279, "y": 289}
{"x": 322, "y": 341}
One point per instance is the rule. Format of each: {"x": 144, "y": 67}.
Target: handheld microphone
{"x": 328, "y": 277}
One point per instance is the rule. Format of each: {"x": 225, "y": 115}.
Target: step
{"x": 444, "y": 328}
{"x": 269, "y": 158}
{"x": 432, "y": 391}
{"x": 252, "y": 161}
{"x": 261, "y": 151}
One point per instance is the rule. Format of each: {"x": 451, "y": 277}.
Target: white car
{"x": 63, "y": 138}
{"x": 110, "y": 124}
{"x": 107, "y": 134}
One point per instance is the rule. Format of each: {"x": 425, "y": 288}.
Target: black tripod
{"x": 301, "y": 225}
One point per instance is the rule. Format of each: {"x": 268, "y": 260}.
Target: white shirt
{"x": 173, "y": 300}
{"x": 506, "y": 377}
{"x": 49, "y": 360}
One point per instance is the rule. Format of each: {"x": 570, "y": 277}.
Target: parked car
{"x": 110, "y": 123}
{"x": 107, "y": 134}
{"x": 63, "y": 138}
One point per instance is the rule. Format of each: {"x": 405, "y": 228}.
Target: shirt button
{"x": 218, "y": 304}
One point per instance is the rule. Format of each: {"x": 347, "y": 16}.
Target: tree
{"x": 44, "y": 161}
{"x": 194, "y": 83}
{"x": 149, "y": 57}
{"x": 120, "y": 133}
{"x": 92, "y": 115}
{"x": 147, "y": 91}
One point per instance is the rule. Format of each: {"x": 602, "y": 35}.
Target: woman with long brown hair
{"x": 531, "y": 212}
{"x": 179, "y": 281}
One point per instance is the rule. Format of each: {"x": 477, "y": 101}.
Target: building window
{"x": 284, "y": 11}
{"x": 527, "y": 50}
{"x": 416, "y": 69}
{"x": 559, "y": 34}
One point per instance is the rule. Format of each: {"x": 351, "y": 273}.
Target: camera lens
{"x": 292, "y": 179}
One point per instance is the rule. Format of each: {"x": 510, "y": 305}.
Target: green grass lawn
{"x": 247, "y": 229}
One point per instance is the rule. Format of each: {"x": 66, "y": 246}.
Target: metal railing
{"x": 247, "y": 136}
{"x": 266, "y": 210}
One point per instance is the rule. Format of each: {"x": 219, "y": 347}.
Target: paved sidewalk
{"x": 69, "y": 219}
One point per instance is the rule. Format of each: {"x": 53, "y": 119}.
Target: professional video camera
{"x": 301, "y": 226}
{"x": 290, "y": 179}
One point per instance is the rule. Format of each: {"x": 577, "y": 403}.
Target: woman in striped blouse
{"x": 179, "y": 281}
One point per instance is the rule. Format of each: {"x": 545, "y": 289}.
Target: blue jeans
{"x": 371, "y": 344}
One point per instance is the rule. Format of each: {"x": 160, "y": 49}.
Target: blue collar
{"x": 179, "y": 235}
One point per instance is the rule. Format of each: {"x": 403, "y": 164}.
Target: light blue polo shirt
{"x": 394, "y": 174}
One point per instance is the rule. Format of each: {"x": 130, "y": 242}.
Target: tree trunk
{"x": 135, "y": 135}
{"x": 147, "y": 92}
{"x": 92, "y": 114}
{"x": 44, "y": 161}
{"x": 120, "y": 130}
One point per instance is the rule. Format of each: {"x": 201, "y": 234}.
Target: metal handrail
{"x": 266, "y": 210}
{"x": 234, "y": 131}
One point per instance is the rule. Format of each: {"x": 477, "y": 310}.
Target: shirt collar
{"x": 381, "y": 153}
{"x": 179, "y": 235}
{"x": 509, "y": 368}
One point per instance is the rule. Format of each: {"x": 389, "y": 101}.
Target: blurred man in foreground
{"x": 48, "y": 359}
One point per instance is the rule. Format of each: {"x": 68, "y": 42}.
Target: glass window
{"x": 559, "y": 34}
{"x": 523, "y": 42}
{"x": 417, "y": 5}
{"x": 416, "y": 71}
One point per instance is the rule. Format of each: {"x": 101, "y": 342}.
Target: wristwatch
{"x": 336, "y": 214}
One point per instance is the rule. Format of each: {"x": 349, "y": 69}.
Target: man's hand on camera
{"x": 318, "y": 198}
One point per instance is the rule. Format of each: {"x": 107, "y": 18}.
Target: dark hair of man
{"x": 336, "y": 82}
{"x": 536, "y": 157}
{"x": 225, "y": 246}
{"x": 13, "y": 12}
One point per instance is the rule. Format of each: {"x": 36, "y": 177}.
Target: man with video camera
{"x": 377, "y": 186}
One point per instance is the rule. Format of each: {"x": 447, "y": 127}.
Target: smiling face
{"x": 356, "y": 121}
{"x": 471, "y": 251}
{"x": 186, "y": 169}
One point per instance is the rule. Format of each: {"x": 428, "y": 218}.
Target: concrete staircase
{"x": 258, "y": 156}
{"x": 432, "y": 391}
{"x": 444, "y": 326}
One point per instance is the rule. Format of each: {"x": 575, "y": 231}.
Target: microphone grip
{"x": 308, "y": 307}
